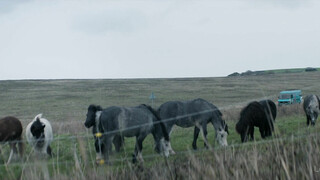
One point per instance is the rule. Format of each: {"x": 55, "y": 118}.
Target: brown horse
{"x": 10, "y": 132}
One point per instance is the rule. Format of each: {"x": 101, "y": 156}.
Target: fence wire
{"x": 146, "y": 124}
{"x": 83, "y": 136}
{"x": 178, "y": 153}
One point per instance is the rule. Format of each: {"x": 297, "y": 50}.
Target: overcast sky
{"x": 155, "y": 38}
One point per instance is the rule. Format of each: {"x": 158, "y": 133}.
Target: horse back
{"x": 10, "y": 128}
{"x": 186, "y": 113}
{"x": 127, "y": 121}
{"x": 253, "y": 115}
{"x": 270, "y": 108}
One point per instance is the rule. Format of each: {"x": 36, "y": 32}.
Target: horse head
{"x": 221, "y": 137}
{"x": 160, "y": 133}
{"x": 91, "y": 115}
{"x": 221, "y": 128}
{"x": 313, "y": 111}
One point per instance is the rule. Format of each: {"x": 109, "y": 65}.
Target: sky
{"x": 89, "y": 39}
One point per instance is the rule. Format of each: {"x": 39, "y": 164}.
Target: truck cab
{"x": 289, "y": 97}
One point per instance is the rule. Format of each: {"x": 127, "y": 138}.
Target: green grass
{"x": 64, "y": 103}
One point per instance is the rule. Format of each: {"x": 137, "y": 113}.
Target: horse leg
{"x": 195, "y": 137}
{"x": 21, "y": 147}
{"x": 308, "y": 120}
{"x": 243, "y": 137}
{"x": 49, "y": 151}
{"x": 108, "y": 143}
{"x": 251, "y": 132}
{"x": 205, "y": 133}
{"x": 118, "y": 142}
{"x": 138, "y": 149}
{"x": 169, "y": 129}
{"x": 12, "y": 152}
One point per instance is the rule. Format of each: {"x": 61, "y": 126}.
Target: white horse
{"x": 39, "y": 135}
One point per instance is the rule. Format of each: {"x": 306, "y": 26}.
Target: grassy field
{"x": 292, "y": 153}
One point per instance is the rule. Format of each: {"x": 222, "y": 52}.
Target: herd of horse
{"x": 112, "y": 124}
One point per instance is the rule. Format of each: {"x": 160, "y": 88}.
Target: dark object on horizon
{"x": 250, "y": 73}
{"x": 310, "y": 69}
{"x": 234, "y": 74}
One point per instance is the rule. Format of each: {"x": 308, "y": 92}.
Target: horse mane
{"x": 219, "y": 112}
{"x": 156, "y": 114}
{"x": 95, "y": 108}
{"x": 270, "y": 107}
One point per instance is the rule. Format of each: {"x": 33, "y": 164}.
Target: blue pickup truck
{"x": 289, "y": 97}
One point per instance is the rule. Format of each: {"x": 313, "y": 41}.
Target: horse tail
{"x": 39, "y": 116}
{"x": 318, "y": 101}
{"x": 162, "y": 125}
{"x": 238, "y": 127}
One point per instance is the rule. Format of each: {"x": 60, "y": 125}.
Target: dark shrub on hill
{"x": 234, "y": 74}
{"x": 310, "y": 69}
{"x": 247, "y": 73}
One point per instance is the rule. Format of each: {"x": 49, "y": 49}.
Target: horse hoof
{"x": 172, "y": 152}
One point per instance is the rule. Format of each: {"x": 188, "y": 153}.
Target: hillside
{"x": 64, "y": 103}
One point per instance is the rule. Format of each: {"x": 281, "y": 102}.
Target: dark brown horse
{"x": 10, "y": 132}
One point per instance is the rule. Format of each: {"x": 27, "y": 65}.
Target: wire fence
{"x": 146, "y": 124}
{"x": 178, "y": 153}
{"x": 83, "y": 136}
{"x": 150, "y": 156}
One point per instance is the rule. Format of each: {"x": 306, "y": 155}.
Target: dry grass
{"x": 293, "y": 153}
{"x": 277, "y": 159}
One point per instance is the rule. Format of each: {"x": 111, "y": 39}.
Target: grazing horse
{"x": 270, "y": 110}
{"x": 39, "y": 135}
{"x": 95, "y": 112}
{"x": 127, "y": 122}
{"x": 253, "y": 115}
{"x": 311, "y": 107}
{"x": 10, "y": 131}
{"x": 197, "y": 113}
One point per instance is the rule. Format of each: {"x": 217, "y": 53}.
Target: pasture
{"x": 293, "y": 152}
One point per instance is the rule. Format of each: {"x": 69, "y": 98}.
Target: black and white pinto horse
{"x": 10, "y": 132}
{"x": 39, "y": 135}
{"x": 126, "y": 122}
{"x": 197, "y": 113}
{"x": 311, "y": 107}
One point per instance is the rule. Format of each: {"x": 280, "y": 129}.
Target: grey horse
{"x": 311, "y": 106}
{"x": 127, "y": 122}
{"x": 197, "y": 113}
